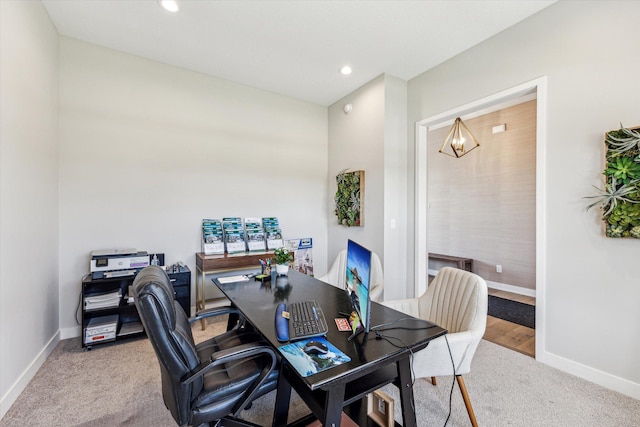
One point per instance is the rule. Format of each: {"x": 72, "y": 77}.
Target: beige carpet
{"x": 119, "y": 385}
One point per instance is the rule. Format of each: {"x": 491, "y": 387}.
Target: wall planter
{"x": 350, "y": 198}
{"x": 619, "y": 200}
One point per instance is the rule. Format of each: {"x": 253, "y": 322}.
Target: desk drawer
{"x": 181, "y": 282}
{"x": 183, "y": 296}
{"x": 181, "y": 292}
{"x": 178, "y": 279}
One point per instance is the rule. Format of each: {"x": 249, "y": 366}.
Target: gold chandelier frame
{"x": 455, "y": 140}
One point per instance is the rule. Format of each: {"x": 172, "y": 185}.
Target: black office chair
{"x": 213, "y": 380}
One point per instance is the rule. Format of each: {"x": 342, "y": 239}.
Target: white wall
{"x": 592, "y": 292}
{"x": 356, "y": 142}
{"x": 28, "y": 194}
{"x": 372, "y": 138}
{"x": 395, "y": 187}
{"x": 148, "y": 150}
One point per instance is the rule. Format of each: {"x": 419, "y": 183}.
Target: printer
{"x": 117, "y": 263}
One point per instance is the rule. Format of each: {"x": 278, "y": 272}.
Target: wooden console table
{"x": 461, "y": 263}
{"x": 214, "y": 264}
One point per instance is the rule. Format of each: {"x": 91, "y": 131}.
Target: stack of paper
{"x": 104, "y": 300}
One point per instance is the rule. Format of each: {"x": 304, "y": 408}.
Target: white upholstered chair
{"x": 336, "y": 275}
{"x": 457, "y": 301}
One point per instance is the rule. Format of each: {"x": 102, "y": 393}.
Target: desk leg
{"x": 406, "y": 393}
{"x": 283, "y": 397}
{"x": 232, "y": 321}
{"x": 333, "y": 406}
{"x": 200, "y": 295}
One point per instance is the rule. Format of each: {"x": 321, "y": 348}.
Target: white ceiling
{"x": 295, "y": 48}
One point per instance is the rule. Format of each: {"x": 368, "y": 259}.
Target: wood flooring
{"x": 511, "y": 335}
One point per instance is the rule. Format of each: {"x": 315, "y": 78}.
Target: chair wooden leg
{"x": 467, "y": 402}
{"x": 433, "y": 381}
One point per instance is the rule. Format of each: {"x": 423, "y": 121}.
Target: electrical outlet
{"x": 498, "y": 268}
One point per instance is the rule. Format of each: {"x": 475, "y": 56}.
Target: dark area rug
{"x": 512, "y": 311}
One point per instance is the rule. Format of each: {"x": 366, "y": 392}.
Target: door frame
{"x": 533, "y": 89}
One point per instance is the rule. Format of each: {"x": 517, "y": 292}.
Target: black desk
{"x": 374, "y": 362}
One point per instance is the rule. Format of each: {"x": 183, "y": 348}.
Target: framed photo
{"x": 380, "y": 408}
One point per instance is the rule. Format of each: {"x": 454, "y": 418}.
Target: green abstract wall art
{"x": 619, "y": 199}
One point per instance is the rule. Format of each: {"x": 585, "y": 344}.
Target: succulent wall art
{"x": 349, "y": 198}
{"x": 619, "y": 200}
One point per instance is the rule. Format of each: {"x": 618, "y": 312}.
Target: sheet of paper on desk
{"x": 231, "y": 279}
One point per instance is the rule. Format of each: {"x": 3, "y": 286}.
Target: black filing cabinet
{"x": 181, "y": 280}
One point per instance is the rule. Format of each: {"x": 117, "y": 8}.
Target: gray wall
{"x": 591, "y": 298}
{"x": 395, "y": 188}
{"x": 356, "y": 142}
{"x": 483, "y": 205}
{"x": 29, "y": 296}
{"x": 102, "y": 150}
{"x": 147, "y": 150}
{"x": 372, "y": 138}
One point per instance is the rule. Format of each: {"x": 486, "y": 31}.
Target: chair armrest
{"x": 435, "y": 361}
{"x": 335, "y": 275}
{"x": 408, "y": 306}
{"x": 376, "y": 292}
{"x": 213, "y": 312}
{"x": 230, "y": 355}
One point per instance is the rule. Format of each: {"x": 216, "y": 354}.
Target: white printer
{"x": 117, "y": 262}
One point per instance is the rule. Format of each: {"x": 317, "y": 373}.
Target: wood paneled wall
{"x": 483, "y": 205}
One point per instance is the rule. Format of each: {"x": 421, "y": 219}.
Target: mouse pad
{"x": 309, "y": 364}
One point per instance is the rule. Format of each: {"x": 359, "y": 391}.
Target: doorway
{"x": 429, "y": 203}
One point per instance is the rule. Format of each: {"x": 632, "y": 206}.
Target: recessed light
{"x": 170, "y": 5}
{"x": 346, "y": 70}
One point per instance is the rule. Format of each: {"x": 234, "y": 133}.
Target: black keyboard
{"x": 306, "y": 320}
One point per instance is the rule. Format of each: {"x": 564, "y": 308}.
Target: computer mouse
{"x": 315, "y": 347}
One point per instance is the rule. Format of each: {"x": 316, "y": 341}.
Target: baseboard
{"x": 580, "y": 370}
{"x": 501, "y": 286}
{"x": 74, "y": 332}
{"x": 23, "y": 380}
{"x": 593, "y": 375}
{"x": 511, "y": 288}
